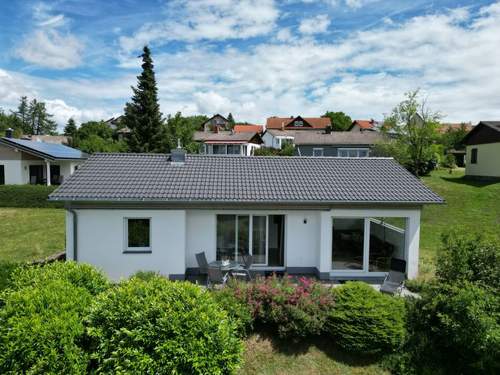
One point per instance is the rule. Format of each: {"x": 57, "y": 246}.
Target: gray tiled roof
{"x": 210, "y": 178}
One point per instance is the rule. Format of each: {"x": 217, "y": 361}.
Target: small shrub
{"x": 449, "y": 161}
{"x": 161, "y": 326}
{"x": 30, "y": 196}
{"x": 78, "y": 274}
{"x": 465, "y": 257}
{"x": 366, "y": 321}
{"x": 293, "y": 310}
{"x": 235, "y": 307}
{"x": 41, "y": 329}
{"x": 455, "y": 329}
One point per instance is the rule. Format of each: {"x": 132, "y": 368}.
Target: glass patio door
{"x": 259, "y": 240}
{"x": 348, "y": 236}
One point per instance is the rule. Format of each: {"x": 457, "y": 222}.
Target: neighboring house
{"x": 215, "y": 123}
{"x": 228, "y": 142}
{"x": 34, "y": 162}
{"x": 483, "y": 150}
{"x": 343, "y": 144}
{"x": 248, "y": 128}
{"x": 114, "y": 122}
{"x": 321, "y": 143}
{"x": 364, "y": 125}
{"x": 332, "y": 217}
{"x": 298, "y": 123}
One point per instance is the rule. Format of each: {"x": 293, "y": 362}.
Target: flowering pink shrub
{"x": 294, "y": 308}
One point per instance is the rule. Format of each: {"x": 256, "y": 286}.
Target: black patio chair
{"x": 394, "y": 281}
{"x": 216, "y": 277}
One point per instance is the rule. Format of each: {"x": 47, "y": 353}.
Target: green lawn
{"x": 266, "y": 356}
{"x": 470, "y": 207}
{"x": 30, "y": 233}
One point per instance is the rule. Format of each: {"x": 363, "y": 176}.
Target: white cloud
{"x": 355, "y": 4}
{"x": 211, "y": 102}
{"x": 63, "y": 112}
{"x": 314, "y": 25}
{"x": 46, "y": 45}
{"x": 207, "y": 20}
{"x": 51, "y": 49}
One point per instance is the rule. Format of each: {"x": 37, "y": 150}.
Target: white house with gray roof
{"x": 337, "y": 218}
{"x": 36, "y": 162}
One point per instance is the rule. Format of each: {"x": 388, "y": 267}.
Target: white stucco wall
{"x": 101, "y": 241}
{"x": 177, "y": 235}
{"x": 488, "y": 160}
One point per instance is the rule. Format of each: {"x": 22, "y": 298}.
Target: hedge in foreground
{"x": 365, "y": 320}
{"x": 41, "y": 329}
{"x": 160, "y": 326}
{"x": 459, "y": 322}
{"x": 27, "y": 196}
{"x": 78, "y": 274}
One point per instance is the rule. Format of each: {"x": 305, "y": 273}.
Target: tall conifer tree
{"x": 142, "y": 113}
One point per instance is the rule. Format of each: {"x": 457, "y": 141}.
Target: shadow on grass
{"x": 470, "y": 181}
{"x": 323, "y": 343}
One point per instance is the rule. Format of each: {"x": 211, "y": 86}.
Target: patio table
{"x": 233, "y": 265}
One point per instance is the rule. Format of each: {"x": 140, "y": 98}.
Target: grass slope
{"x": 30, "y": 233}
{"x": 266, "y": 356}
{"x": 471, "y": 206}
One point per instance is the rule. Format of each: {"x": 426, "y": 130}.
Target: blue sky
{"x": 254, "y": 58}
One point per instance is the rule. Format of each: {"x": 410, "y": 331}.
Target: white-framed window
{"x": 353, "y": 152}
{"x": 298, "y": 123}
{"x": 137, "y": 236}
{"x": 233, "y": 149}
{"x": 318, "y": 151}
{"x": 219, "y": 149}
{"x": 367, "y": 244}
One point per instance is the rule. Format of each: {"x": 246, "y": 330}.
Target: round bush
{"x": 78, "y": 274}
{"x": 161, "y": 326}
{"x": 365, "y": 320}
{"x": 41, "y": 329}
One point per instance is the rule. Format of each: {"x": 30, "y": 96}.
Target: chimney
{"x": 9, "y": 132}
{"x": 178, "y": 156}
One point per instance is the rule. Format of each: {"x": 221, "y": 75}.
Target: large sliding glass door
{"x": 260, "y": 235}
{"x": 367, "y": 244}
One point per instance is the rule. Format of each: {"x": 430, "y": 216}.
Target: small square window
{"x": 317, "y": 152}
{"x": 138, "y": 234}
{"x": 473, "y": 156}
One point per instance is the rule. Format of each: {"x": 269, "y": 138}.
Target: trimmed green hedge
{"x": 161, "y": 327}
{"x": 367, "y": 321}
{"x": 27, "y": 196}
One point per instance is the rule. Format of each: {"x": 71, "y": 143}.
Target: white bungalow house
{"x": 36, "y": 162}
{"x": 336, "y": 218}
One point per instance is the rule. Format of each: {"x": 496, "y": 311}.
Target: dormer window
{"x": 298, "y": 123}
